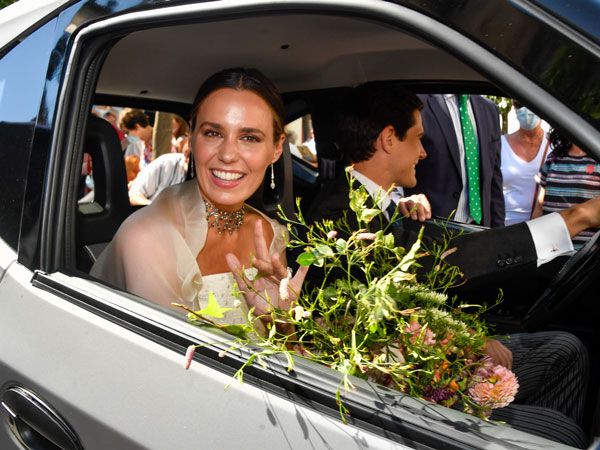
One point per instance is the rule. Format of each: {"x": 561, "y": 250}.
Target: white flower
{"x": 298, "y": 312}
{"x": 332, "y": 234}
{"x": 284, "y": 294}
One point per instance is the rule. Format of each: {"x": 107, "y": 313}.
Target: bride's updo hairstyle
{"x": 243, "y": 79}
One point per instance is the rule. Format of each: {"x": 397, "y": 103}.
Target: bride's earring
{"x": 272, "y": 177}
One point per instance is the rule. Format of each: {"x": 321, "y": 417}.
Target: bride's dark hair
{"x": 243, "y": 79}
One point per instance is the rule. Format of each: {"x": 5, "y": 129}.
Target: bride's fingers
{"x": 262, "y": 251}
{"x": 298, "y": 279}
{"x": 279, "y": 270}
{"x": 300, "y": 275}
{"x": 238, "y": 272}
{"x": 265, "y": 268}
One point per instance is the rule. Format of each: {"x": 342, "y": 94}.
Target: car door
{"x": 78, "y": 369}
{"x": 85, "y": 365}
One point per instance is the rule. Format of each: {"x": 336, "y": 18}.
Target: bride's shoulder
{"x": 167, "y": 210}
{"x": 277, "y": 233}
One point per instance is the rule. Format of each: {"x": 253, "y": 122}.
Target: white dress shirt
{"x": 377, "y": 192}
{"x": 549, "y": 233}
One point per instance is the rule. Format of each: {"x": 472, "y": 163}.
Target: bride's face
{"x": 233, "y": 144}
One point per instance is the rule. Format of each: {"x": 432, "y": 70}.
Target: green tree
{"x": 504, "y": 105}
{"x": 4, "y": 3}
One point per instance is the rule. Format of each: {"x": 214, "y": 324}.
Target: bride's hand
{"x": 263, "y": 292}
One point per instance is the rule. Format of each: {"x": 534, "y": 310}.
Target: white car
{"x": 84, "y": 365}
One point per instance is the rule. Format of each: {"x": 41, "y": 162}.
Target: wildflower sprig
{"x": 377, "y": 313}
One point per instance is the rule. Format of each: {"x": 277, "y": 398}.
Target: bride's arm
{"x": 135, "y": 261}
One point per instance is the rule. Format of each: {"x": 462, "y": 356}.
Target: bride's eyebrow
{"x": 211, "y": 124}
{"x": 252, "y": 131}
{"x": 219, "y": 127}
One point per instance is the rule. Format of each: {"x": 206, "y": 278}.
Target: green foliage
{"x": 372, "y": 317}
{"x": 4, "y": 3}
{"x": 504, "y": 105}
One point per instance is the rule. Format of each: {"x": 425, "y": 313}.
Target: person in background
{"x": 462, "y": 173}
{"x": 164, "y": 171}
{"x": 139, "y": 133}
{"x": 300, "y": 151}
{"x": 180, "y": 130}
{"x": 310, "y": 142}
{"x": 523, "y": 153}
{"x": 568, "y": 177}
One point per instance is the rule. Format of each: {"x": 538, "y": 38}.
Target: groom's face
{"x": 407, "y": 153}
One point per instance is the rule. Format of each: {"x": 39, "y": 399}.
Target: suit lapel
{"x": 441, "y": 113}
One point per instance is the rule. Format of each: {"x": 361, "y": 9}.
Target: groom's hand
{"x": 416, "y": 207}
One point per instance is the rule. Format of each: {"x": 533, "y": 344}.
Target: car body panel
{"x": 116, "y": 386}
{"x": 16, "y": 19}
{"x": 119, "y": 390}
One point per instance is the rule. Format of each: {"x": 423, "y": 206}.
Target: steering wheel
{"x": 567, "y": 285}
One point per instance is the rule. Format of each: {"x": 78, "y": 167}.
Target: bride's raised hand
{"x": 272, "y": 287}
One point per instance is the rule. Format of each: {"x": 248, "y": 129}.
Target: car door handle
{"x": 34, "y": 423}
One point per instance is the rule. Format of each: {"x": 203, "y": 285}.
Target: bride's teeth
{"x": 228, "y": 176}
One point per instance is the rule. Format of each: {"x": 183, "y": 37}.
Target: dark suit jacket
{"x": 488, "y": 256}
{"x": 438, "y": 175}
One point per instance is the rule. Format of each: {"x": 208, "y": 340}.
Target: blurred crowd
{"x": 476, "y": 174}
{"x": 155, "y": 155}
{"x": 531, "y": 171}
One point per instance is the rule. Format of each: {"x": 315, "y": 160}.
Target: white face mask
{"x": 527, "y": 119}
{"x": 131, "y": 138}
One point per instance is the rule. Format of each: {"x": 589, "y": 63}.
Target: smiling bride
{"x": 199, "y": 237}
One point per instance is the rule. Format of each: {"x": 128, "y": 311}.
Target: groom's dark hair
{"x": 367, "y": 111}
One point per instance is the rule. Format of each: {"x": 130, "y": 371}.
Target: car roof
{"x": 298, "y": 52}
{"x": 18, "y": 17}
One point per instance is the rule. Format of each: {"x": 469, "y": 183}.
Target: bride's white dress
{"x": 153, "y": 254}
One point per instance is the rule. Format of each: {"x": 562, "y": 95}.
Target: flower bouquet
{"x": 370, "y": 316}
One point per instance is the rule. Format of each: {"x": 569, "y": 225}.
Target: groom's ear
{"x": 385, "y": 139}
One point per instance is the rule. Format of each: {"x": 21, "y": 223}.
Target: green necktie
{"x": 471, "y": 158}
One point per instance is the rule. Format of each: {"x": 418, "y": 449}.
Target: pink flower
{"x": 365, "y": 237}
{"x": 448, "y": 252}
{"x": 493, "y": 386}
{"x": 189, "y": 356}
{"x": 415, "y": 329}
{"x": 332, "y": 234}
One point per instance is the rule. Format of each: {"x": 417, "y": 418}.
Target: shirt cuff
{"x": 550, "y": 237}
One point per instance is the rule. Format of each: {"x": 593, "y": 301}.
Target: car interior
{"x": 157, "y": 63}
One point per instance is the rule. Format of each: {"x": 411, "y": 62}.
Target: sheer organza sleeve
{"x": 153, "y": 254}
{"x": 280, "y": 238}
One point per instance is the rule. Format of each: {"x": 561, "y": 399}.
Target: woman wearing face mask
{"x": 199, "y": 237}
{"x": 523, "y": 153}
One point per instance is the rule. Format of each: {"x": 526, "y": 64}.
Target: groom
{"x": 379, "y": 133}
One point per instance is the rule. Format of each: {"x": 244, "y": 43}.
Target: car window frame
{"x": 69, "y": 134}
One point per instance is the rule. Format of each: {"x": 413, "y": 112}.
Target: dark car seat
{"x": 98, "y": 221}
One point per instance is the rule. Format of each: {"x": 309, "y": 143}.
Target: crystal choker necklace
{"x": 224, "y": 220}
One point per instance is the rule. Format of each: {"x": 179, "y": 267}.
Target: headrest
{"x": 111, "y": 201}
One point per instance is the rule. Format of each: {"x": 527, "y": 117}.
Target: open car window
{"x": 339, "y": 46}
